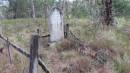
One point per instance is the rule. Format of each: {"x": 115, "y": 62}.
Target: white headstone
{"x": 56, "y": 25}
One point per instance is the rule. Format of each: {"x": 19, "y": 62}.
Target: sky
{"x": 4, "y": 2}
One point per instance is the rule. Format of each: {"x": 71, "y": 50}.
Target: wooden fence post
{"x": 38, "y": 31}
{"x": 9, "y": 52}
{"x": 66, "y": 30}
{"x": 34, "y": 54}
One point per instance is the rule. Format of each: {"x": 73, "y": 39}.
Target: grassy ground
{"x": 59, "y": 61}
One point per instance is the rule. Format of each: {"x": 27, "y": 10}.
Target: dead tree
{"x": 106, "y": 12}
{"x": 34, "y": 54}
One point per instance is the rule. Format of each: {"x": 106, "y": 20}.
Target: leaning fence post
{"x": 34, "y": 54}
{"x": 66, "y": 30}
{"x": 9, "y": 52}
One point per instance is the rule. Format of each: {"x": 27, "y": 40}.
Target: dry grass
{"x": 64, "y": 45}
{"x": 63, "y": 58}
{"x": 80, "y": 65}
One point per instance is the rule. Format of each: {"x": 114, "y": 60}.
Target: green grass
{"x": 83, "y": 28}
{"x": 80, "y": 27}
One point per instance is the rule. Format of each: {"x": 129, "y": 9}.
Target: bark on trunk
{"x": 107, "y": 15}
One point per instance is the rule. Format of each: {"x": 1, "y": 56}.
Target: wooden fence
{"x": 32, "y": 56}
{"x": 35, "y": 60}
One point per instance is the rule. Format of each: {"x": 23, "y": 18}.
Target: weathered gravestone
{"x": 56, "y": 26}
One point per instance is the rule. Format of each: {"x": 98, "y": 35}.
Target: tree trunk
{"x": 33, "y": 9}
{"x": 46, "y": 11}
{"x": 107, "y": 16}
